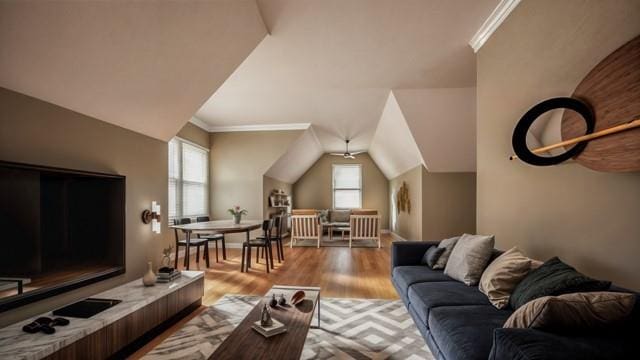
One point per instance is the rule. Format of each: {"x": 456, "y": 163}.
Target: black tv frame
{"x": 44, "y": 293}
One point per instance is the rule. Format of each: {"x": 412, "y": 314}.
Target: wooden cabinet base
{"x": 124, "y": 334}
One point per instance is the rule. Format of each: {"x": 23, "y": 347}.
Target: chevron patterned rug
{"x": 349, "y": 329}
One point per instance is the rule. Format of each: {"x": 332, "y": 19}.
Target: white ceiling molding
{"x": 298, "y": 158}
{"x": 400, "y": 155}
{"x": 263, "y": 127}
{"x": 499, "y": 14}
{"x": 199, "y": 123}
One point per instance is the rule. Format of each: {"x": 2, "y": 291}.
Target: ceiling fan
{"x": 347, "y": 154}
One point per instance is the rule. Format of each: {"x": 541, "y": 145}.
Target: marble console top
{"x": 17, "y": 344}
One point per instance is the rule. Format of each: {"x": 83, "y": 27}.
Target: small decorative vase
{"x": 149, "y": 279}
{"x": 237, "y": 218}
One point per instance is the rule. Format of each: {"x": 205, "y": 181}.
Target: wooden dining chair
{"x": 197, "y": 242}
{"x": 213, "y": 237}
{"x": 279, "y": 224}
{"x": 263, "y": 242}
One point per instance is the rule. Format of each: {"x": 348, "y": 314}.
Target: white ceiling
{"x": 393, "y": 147}
{"x": 443, "y": 124}
{"x": 332, "y": 63}
{"x": 145, "y": 65}
{"x": 298, "y": 158}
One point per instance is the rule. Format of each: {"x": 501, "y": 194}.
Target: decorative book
{"x": 275, "y": 329}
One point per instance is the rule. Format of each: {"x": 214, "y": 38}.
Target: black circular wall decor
{"x": 519, "y": 139}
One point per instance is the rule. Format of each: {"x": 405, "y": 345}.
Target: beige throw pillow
{"x": 502, "y": 275}
{"x": 573, "y": 312}
{"x": 469, "y": 258}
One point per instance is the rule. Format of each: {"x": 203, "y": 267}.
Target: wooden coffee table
{"x": 246, "y": 343}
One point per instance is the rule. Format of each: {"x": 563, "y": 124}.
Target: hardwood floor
{"x": 339, "y": 271}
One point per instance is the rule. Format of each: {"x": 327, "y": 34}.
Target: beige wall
{"x": 448, "y": 204}
{"x": 314, "y": 189}
{"x": 195, "y": 134}
{"x": 238, "y": 163}
{"x": 268, "y": 184}
{"x": 588, "y": 218}
{"x": 407, "y": 225}
{"x": 36, "y": 132}
{"x": 442, "y": 204}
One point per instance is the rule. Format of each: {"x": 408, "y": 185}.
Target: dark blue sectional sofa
{"x": 458, "y": 321}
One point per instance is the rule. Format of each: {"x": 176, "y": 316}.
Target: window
{"x": 188, "y": 179}
{"x": 347, "y": 186}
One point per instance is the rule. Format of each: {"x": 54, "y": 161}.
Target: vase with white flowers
{"x": 237, "y": 213}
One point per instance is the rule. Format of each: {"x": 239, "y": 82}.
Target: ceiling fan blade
{"x": 358, "y": 152}
{"x": 350, "y": 157}
{"x": 336, "y": 154}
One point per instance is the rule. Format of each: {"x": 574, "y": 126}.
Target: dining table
{"x": 219, "y": 227}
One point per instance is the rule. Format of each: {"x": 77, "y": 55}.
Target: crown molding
{"x": 499, "y": 14}
{"x": 234, "y": 128}
{"x": 199, "y": 123}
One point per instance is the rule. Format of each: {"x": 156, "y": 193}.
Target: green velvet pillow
{"x": 553, "y": 278}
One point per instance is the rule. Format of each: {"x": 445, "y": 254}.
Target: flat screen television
{"x": 60, "y": 229}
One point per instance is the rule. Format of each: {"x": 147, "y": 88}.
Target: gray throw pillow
{"x": 431, "y": 256}
{"x": 447, "y": 245}
{"x": 469, "y": 258}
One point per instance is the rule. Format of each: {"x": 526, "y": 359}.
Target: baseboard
{"x": 397, "y": 237}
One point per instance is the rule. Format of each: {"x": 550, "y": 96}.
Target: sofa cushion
{"x": 529, "y": 344}
{"x": 552, "y": 279}
{"x": 431, "y": 256}
{"x": 447, "y": 245}
{"x": 425, "y": 296}
{"x": 406, "y": 276}
{"x": 574, "y": 313}
{"x": 469, "y": 258}
{"x": 341, "y": 216}
{"x": 502, "y": 275}
{"x": 465, "y": 332}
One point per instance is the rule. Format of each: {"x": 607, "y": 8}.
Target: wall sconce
{"x": 152, "y": 216}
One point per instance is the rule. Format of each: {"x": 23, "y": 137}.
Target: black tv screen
{"x": 59, "y": 229}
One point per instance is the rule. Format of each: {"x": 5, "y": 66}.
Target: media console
{"x": 142, "y": 309}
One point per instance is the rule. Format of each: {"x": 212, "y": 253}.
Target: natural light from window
{"x": 188, "y": 180}
{"x": 347, "y": 186}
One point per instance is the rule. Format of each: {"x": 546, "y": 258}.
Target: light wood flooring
{"x": 339, "y": 271}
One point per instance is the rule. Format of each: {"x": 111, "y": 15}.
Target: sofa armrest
{"x": 405, "y": 253}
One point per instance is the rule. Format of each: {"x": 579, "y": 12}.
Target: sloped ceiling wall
{"x": 443, "y": 124}
{"x": 393, "y": 148}
{"x": 146, "y": 66}
{"x": 298, "y": 158}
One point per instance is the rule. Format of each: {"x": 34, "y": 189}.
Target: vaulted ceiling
{"x": 332, "y": 63}
{"x": 143, "y": 65}
{"x": 396, "y": 77}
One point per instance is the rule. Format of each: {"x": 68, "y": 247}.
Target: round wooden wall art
{"x": 610, "y": 95}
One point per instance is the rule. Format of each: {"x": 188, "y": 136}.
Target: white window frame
{"x": 180, "y": 181}
{"x": 333, "y": 185}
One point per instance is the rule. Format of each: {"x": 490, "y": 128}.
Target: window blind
{"x": 347, "y": 186}
{"x": 188, "y": 180}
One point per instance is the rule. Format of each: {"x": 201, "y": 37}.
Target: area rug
{"x": 349, "y": 329}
